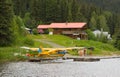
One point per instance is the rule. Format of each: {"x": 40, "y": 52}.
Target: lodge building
{"x": 74, "y": 30}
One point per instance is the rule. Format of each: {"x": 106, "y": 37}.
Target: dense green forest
{"x": 19, "y": 13}
{"x": 110, "y": 5}
{"x": 36, "y": 12}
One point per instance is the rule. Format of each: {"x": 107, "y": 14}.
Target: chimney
{"x": 66, "y": 22}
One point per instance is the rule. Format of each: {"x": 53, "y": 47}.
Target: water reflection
{"x": 63, "y": 68}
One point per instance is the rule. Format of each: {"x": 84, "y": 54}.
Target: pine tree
{"x": 6, "y": 18}
{"x": 64, "y": 10}
{"x": 117, "y": 42}
{"x": 27, "y": 21}
{"x": 111, "y": 24}
{"x": 103, "y": 23}
{"x": 51, "y": 10}
{"x": 74, "y": 9}
{"x": 21, "y": 7}
{"x": 69, "y": 18}
{"x": 35, "y": 12}
{"x": 93, "y": 23}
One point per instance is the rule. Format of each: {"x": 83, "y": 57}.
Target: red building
{"x": 74, "y": 30}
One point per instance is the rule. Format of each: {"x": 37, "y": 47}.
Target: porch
{"x": 76, "y": 34}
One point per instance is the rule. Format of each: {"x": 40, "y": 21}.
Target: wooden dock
{"x": 32, "y": 59}
{"x": 89, "y": 58}
{"x": 75, "y": 58}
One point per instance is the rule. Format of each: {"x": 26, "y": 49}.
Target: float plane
{"x": 50, "y": 52}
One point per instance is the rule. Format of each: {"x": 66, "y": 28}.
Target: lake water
{"x": 62, "y": 68}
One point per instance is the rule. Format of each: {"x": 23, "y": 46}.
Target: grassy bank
{"x": 99, "y": 48}
{"x": 7, "y": 54}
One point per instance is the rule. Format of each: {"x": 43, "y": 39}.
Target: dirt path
{"x": 54, "y": 45}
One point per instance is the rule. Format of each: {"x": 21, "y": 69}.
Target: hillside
{"x": 99, "y": 48}
{"x": 7, "y": 53}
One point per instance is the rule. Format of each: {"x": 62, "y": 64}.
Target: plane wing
{"x": 67, "y": 48}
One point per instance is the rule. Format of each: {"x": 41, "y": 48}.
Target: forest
{"x": 110, "y": 5}
{"x": 15, "y": 14}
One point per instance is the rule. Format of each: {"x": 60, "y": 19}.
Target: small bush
{"x": 91, "y": 36}
{"x": 46, "y": 31}
{"x": 103, "y": 39}
{"x": 35, "y": 31}
{"x": 28, "y": 41}
{"x": 117, "y": 44}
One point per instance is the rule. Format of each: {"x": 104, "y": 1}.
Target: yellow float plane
{"x": 50, "y": 52}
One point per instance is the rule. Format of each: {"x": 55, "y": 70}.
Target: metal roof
{"x": 63, "y": 25}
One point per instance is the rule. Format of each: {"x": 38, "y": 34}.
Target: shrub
{"x": 91, "y": 36}
{"x": 35, "y": 31}
{"x": 117, "y": 44}
{"x": 103, "y": 39}
{"x": 28, "y": 41}
{"x": 46, "y": 31}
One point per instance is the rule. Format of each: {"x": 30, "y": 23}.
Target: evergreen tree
{"x": 64, "y": 10}
{"x": 117, "y": 26}
{"x": 17, "y": 6}
{"x": 74, "y": 9}
{"x": 52, "y": 11}
{"x": 111, "y": 24}
{"x": 28, "y": 21}
{"x": 103, "y": 23}
{"x": 69, "y": 18}
{"x": 93, "y": 23}
{"x": 58, "y": 11}
{"x": 19, "y": 24}
{"x": 79, "y": 16}
{"x": 21, "y": 7}
{"x": 35, "y": 13}
{"x": 6, "y": 27}
{"x": 117, "y": 42}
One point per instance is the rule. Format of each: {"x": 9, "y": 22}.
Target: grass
{"x": 7, "y": 53}
{"x": 99, "y": 48}
{"x": 29, "y": 41}
{"x": 59, "y": 39}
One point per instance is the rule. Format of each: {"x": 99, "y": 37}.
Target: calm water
{"x": 62, "y": 68}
